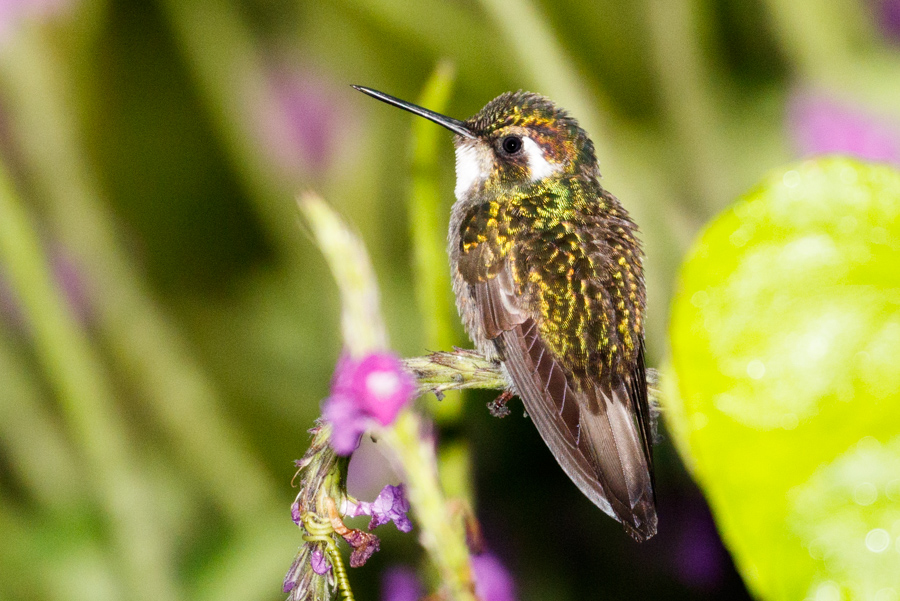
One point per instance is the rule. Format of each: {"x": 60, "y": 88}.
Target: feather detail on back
{"x": 589, "y": 430}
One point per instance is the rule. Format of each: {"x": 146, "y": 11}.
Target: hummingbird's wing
{"x": 599, "y": 435}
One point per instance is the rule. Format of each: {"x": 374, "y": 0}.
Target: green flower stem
{"x": 428, "y": 224}
{"x": 689, "y": 98}
{"x": 459, "y": 369}
{"x": 38, "y": 449}
{"x": 442, "y": 537}
{"x": 414, "y": 454}
{"x": 434, "y": 295}
{"x": 145, "y": 344}
{"x": 87, "y": 398}
{"x": 361, "y": 324}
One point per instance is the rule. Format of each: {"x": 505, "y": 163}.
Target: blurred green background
{"x": 167, "y": 330}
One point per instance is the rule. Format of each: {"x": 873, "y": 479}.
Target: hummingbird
{"x": 548, "y": 277}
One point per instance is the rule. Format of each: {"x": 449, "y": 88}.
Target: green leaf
{"x": 783, "y": 390}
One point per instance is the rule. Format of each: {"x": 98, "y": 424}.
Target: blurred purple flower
{"x": 376, "y": 387}
{"x": 821, "y": 125}
{"x": 295, "y": 512}
{"x": 347, "y": 420}
{"x": 391, "y": 505}
{"x": 318, "y": 562}
{"x": 889, "y": 18}
{"x": 14, "y": 11}
{"x": 302, "y": 121}
{"x": 492, "y": 581}
{"x": 400, "y": 583}
{"x": 382, "y": 386}
{"x": 699, "y": 557}
{"x": 71, "y": 282}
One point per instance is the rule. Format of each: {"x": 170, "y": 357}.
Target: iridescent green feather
{"x": 577, "y": 266}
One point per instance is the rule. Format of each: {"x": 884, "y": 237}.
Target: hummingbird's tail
{"x": 592, "y": 431}
{"x": 599, "y": 434}
{"x": 616, "y": 449}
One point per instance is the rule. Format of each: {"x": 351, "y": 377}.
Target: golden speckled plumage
{"x": 575, "y": 262}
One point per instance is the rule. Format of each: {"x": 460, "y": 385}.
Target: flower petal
{"x": 319, "y": 562}
{"x": 382, "y": 387}
{"x": 391, "y": 505}
{"x": 347, "y": 422}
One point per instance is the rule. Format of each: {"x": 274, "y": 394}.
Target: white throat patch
{"x": 470, "y": 170}
{"x": 538, "y": 164}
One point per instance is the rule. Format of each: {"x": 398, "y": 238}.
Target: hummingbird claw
{"x": 498, "y": 407}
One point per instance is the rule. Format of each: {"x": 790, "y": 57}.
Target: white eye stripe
{"x": 538, "y": 165}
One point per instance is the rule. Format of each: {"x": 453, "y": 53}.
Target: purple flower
{"x": 400, "y": 583}
{"x": 698, "y": 558}
{"x": 376, "y": 388}
{"x": 71, "y": 282}
{"x": 391, "y": 505}
{"x": 889, "y": 13}
{"x": 347, "y": 420}
{"x": 319, "y": 563}
{"x": 303, "y": 121}
{"x": 382, "y": 386}
{"x": 822, "y": 125}
{"x": 492, "y": 581}
{"x": 295, "y": 512}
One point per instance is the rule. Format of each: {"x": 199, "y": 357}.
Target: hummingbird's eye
{"x": 511, "y": 144}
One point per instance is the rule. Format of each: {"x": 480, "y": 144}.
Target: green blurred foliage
{"x": 784, "y": 392}
{"x": 152, "y": 146}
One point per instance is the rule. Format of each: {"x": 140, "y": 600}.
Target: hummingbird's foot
{"x": 498, "y": 407}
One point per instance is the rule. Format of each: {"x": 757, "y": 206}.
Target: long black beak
{"x": 454, "y": 125}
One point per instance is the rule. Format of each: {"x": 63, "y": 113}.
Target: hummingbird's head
{"x": 521, "y": 139}
{"x": 518, "y": 139}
